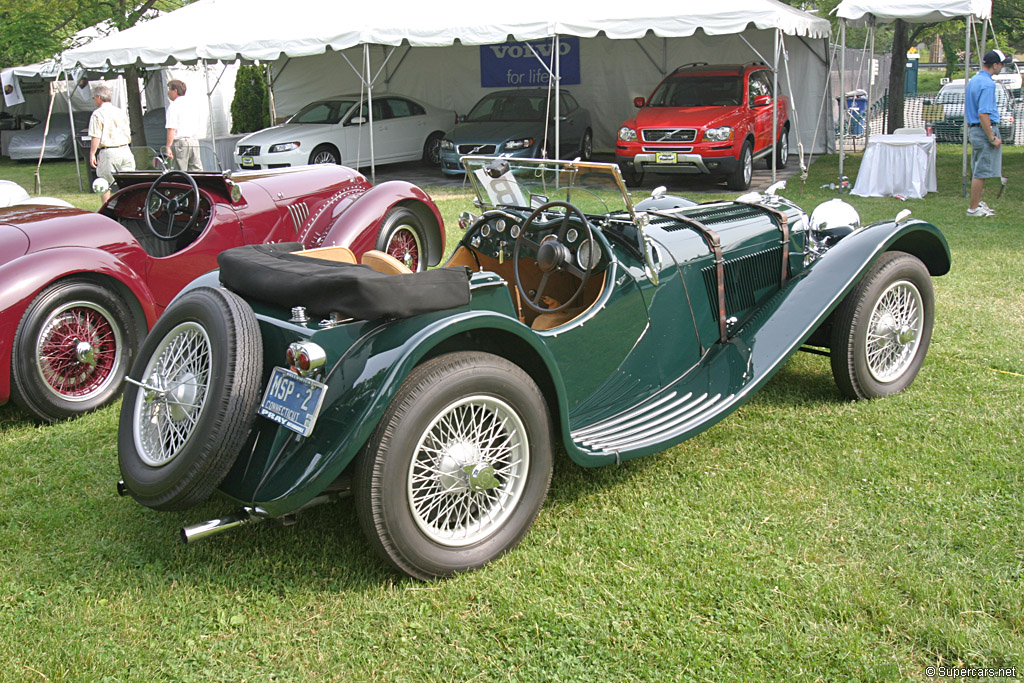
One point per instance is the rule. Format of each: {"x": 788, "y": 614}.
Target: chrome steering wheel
{"x": 552, "y": 255}
{"x": 157, "y": 200}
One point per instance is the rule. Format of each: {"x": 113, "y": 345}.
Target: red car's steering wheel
{"x": 158, "y": 200}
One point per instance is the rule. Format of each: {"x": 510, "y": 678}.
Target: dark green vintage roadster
{"x": 566, "y": 314}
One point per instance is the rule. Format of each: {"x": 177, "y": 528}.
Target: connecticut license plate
{"x": 292, "y": 401}
{"x": 666, "y": 157}
{"x": 247, "y": 161}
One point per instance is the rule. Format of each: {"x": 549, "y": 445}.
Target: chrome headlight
{"x": 830, "y": 222}
{"x": 283, "y": 147}
{"x": 447, "y": 144}
{"x": 721, "y": 134}
{"x": 627, "y": 134}
{"x": 522, "y": 143}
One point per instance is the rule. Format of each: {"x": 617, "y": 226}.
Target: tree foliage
{"x": 250, "y": 110}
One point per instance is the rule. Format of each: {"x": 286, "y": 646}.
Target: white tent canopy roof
{"x": 227, "y": 30}
{"x": 913, "y": 11}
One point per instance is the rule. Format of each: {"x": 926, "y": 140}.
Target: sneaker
{"x": 980, "y": 211}
{"x": 991, "y": 211}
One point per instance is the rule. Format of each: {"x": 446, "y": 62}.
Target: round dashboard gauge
{"x": 485, "y": 229}
{"x": 571, "y": 235}
{"x": 499, "y": 225}
{"x": 514, "y": 231}
{"x": 588, "y": 254}
{"x": 154, "y": 204}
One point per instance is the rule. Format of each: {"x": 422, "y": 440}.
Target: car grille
{"x": 669, "y": 149}
{"x": 747, "y": 280}
{"x": 477, "y": 149}
{"x": 669, "y": 134}
{"x": 248, "y": 150}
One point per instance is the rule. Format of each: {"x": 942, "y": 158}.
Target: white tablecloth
{"x": 897, "y": 165}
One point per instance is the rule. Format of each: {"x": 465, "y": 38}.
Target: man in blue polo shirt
{"x": 982, "y": 116}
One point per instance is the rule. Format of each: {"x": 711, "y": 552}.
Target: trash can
{"x": 856, "y": 111}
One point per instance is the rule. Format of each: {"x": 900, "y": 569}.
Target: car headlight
{"x": 718, "y": 134}
{"x": 283, "y": 147}
{"x": 522, "y": 143}
{"x": 447, "y": 144}
{"x": 627, "y": 134}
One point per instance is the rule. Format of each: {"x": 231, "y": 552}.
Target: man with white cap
{"x": 982, "y": 116}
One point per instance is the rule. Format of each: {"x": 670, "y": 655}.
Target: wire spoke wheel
{"x": 78, "y": 349}
{"x": 172, "y": 400}
{"x": 882, "y": 328}
{"x": 468, "y": 471}
{"x": 404, "y": 244}
{"x": 894, "y": 331}
{"x": 458, "y": 467}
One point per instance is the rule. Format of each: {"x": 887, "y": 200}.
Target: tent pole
{"x": 967, "y": 72}
{"x": 270, "y": 93}
{"x": 775, "y": 104}
{"x": 209, "y": 106}
{"x": 842, "y": 100}
{"x": 369, "y": 111}
{"x": 74, "y": 133}
{"x": 558, "y": 98}
{"x": 871, "y": 73}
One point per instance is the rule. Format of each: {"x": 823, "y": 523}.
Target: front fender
{"x": 350, "y": 223}
{"x": 25, "y": 277}
{"x": 362, "y": 383}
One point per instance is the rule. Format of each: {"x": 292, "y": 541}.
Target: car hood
{"x": 497, "y": 131}
{"x": 285, "y": 132}
{"x": 682, "y": 117}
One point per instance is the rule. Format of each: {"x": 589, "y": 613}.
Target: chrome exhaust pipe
{"x": 197, "y": 532}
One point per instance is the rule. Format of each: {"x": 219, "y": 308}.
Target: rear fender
{"x": 350, "y": 220}
{"x": 288, "y": 472}
{"x": 23, "y": 278}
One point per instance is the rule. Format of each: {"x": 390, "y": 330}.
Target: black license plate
{"x": 292, "y": 401}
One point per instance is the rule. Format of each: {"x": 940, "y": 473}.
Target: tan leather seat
{"x": 385, "y": 263}
{"x": 546, "y": 321}
{"x": 339, "y": 254}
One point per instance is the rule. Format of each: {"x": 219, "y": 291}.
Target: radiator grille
{"x": 747, "y": 280}
{"x": 477, "y": 149}
{"x": 668, "y": 134}
{"x": 248, "y": 150}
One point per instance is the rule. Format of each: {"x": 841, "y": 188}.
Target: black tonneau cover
{"x": 271, "y": 274}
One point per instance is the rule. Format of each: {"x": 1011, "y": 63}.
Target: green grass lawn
{"x": 806, "y": 537}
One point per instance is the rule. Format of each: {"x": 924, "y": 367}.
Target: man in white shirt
{"x": 182, "y": 129}
{"x": 111, "y": 135}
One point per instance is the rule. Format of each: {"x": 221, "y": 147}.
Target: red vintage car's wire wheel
{"x": 404, "y": 245}
{"x": 77, "y": 350}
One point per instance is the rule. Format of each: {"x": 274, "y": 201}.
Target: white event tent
{"x": 872, "y": 12}
{"x": 625, "y": 50}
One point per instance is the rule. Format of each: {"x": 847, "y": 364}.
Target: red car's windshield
{"x": 698, "y": 91}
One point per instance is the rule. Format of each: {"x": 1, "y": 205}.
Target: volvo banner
{"x": 513, "y": 65}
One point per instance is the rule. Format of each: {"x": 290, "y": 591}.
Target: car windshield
{"x": 508, "y": 107}
{"x": 527, "y": 183}
{"x": 698, "y": 91}
{"x": 953, "y": 93}
{"x": 326, "y": 111}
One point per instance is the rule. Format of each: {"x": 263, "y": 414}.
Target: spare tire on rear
{"x": 182, "y": 429}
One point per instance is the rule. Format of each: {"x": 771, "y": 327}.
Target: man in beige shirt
{"x": 111, "y": 135}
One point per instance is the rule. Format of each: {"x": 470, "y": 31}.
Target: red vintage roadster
{"x": 79, "y": 290}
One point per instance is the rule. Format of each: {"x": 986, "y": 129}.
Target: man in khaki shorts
{"x": 182, "y": 129}
{"x": 111, "y": 135}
